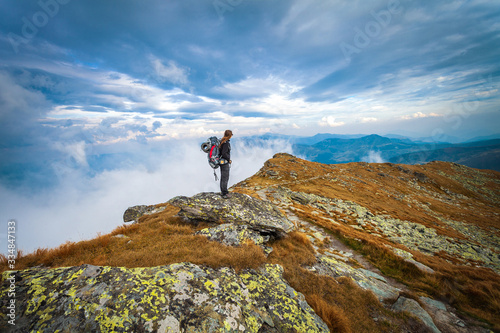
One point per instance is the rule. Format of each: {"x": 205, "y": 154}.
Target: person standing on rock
{"x": 225, "y": 165}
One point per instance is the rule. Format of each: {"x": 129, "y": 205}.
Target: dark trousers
{"x": 224, "y": 178}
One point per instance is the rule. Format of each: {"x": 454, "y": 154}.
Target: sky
{"x": 97, "y": 96}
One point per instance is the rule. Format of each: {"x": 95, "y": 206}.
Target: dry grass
{"x": 473, "y": 290}
{"x": 159, "y": 239}
{"x": 162, "y": 239}
{"x": 343, "y": 305}
{"x": 331, "y": 314}
{"x": 444, "y": 187}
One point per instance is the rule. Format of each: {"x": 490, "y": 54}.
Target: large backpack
{"x": 211, "y": 147}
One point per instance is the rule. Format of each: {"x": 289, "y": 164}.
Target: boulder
{"x": 412, "y": 306}
{"x": 328, "y": 265}
{"x": 181, "y": 297}
{"x": 235, "y": 235}
{"x": 132, "y": 214}
{"x": 238, "y": 209}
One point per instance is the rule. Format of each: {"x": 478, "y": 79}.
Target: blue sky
{"x": 79, "y": 79}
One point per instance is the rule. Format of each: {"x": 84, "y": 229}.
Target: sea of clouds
{"x": 88, "y": 199}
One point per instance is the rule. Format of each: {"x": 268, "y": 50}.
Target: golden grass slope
{"x": 461, "y": 204}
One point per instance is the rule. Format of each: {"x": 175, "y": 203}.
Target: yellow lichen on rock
{"x": 180, "y": 297}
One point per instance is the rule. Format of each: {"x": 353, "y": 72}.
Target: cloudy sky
{"x": 81, "y": 79}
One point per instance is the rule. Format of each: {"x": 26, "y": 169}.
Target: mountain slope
{"x": 481, "y": 155}
{"x": 375, "y": 148}
{"x": 370, "y": 240}
{"x": 333, "y": 151}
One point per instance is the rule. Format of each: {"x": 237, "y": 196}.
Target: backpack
{"x": 211, "y": 147}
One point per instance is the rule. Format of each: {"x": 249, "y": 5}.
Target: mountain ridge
{"x": 370, "y": 240}
{"x": 346, "y": 150}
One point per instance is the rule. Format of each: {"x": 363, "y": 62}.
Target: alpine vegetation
{"x": 297, "y": 247}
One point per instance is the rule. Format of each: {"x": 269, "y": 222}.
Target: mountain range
{"x": 334, "y": 149}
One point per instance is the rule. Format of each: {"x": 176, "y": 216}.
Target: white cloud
{"x": 330, "y": 121}
{"x": 373, "y": 157}
{"x": 365, "y": 120}
{"x": 74, "y": 150}
{"x": 82, "y": 205}
{"x": 18, "y": 104}
{"x": 257, "y": 87}
{"x": 170, "y": 72}
{"x": 420, "y": 115}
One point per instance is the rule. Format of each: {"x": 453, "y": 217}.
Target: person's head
{"x": 228, "y": 134}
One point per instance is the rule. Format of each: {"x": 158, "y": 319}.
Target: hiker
{"x": 225, "y": 165}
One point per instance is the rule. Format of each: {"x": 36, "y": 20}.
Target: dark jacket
{"x": 225, "y": 151}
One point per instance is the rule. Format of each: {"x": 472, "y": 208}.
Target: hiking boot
{"x": 225, "y": 196}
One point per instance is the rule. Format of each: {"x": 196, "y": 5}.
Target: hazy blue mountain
{"x": 376, "y": 148}
{"x": 480, "y": 154}
{"x": 294, "y": 139}
{"x": 484, "y": 138}
{"x": 370, "y": 148}
{"x": 324, "y": 136}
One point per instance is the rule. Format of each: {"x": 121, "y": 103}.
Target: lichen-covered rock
{"x": 408, "y": 257}
{"x": 135, "y": 212}
{"x": 239, "y": 209}
{"x": 412, "y": 306}
{"x": 328, "y": 265}
{"x": 176, "y": 298}
{"x": 236, "y": 235}
{"x": 478, "y": 245}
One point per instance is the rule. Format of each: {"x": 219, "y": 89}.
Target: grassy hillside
{"x": 459, "y": 203}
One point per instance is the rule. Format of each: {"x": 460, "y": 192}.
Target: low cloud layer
{"x": 81, "y": 206}
{"x": 373, "y": 157}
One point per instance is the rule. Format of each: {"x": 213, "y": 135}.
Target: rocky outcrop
{"x": 238, "y": 209}
{"x": 177, "y": 298}
{"x": 329, "y": 265}
{"x": 478, "y": 244}
{"x": 132, "y": 214}
{"x": 236, "y": 235}
{"x": 335, "y": 260}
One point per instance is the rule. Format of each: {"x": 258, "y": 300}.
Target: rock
{"x": 176, "y": 298}
{"x": 412, "y": 306}
{"x": 429, "y": 302}
{"x": 135, "y": 212}
{"x": 448, "y": 321}
{"x": 236, "y": 235}
{"x": 408, "y": 257}
{"x": 302, "y": 198}
{"x": 421, "y": 177}
{"x": 239, "y": 209}
{"x": 365, "y": 279}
